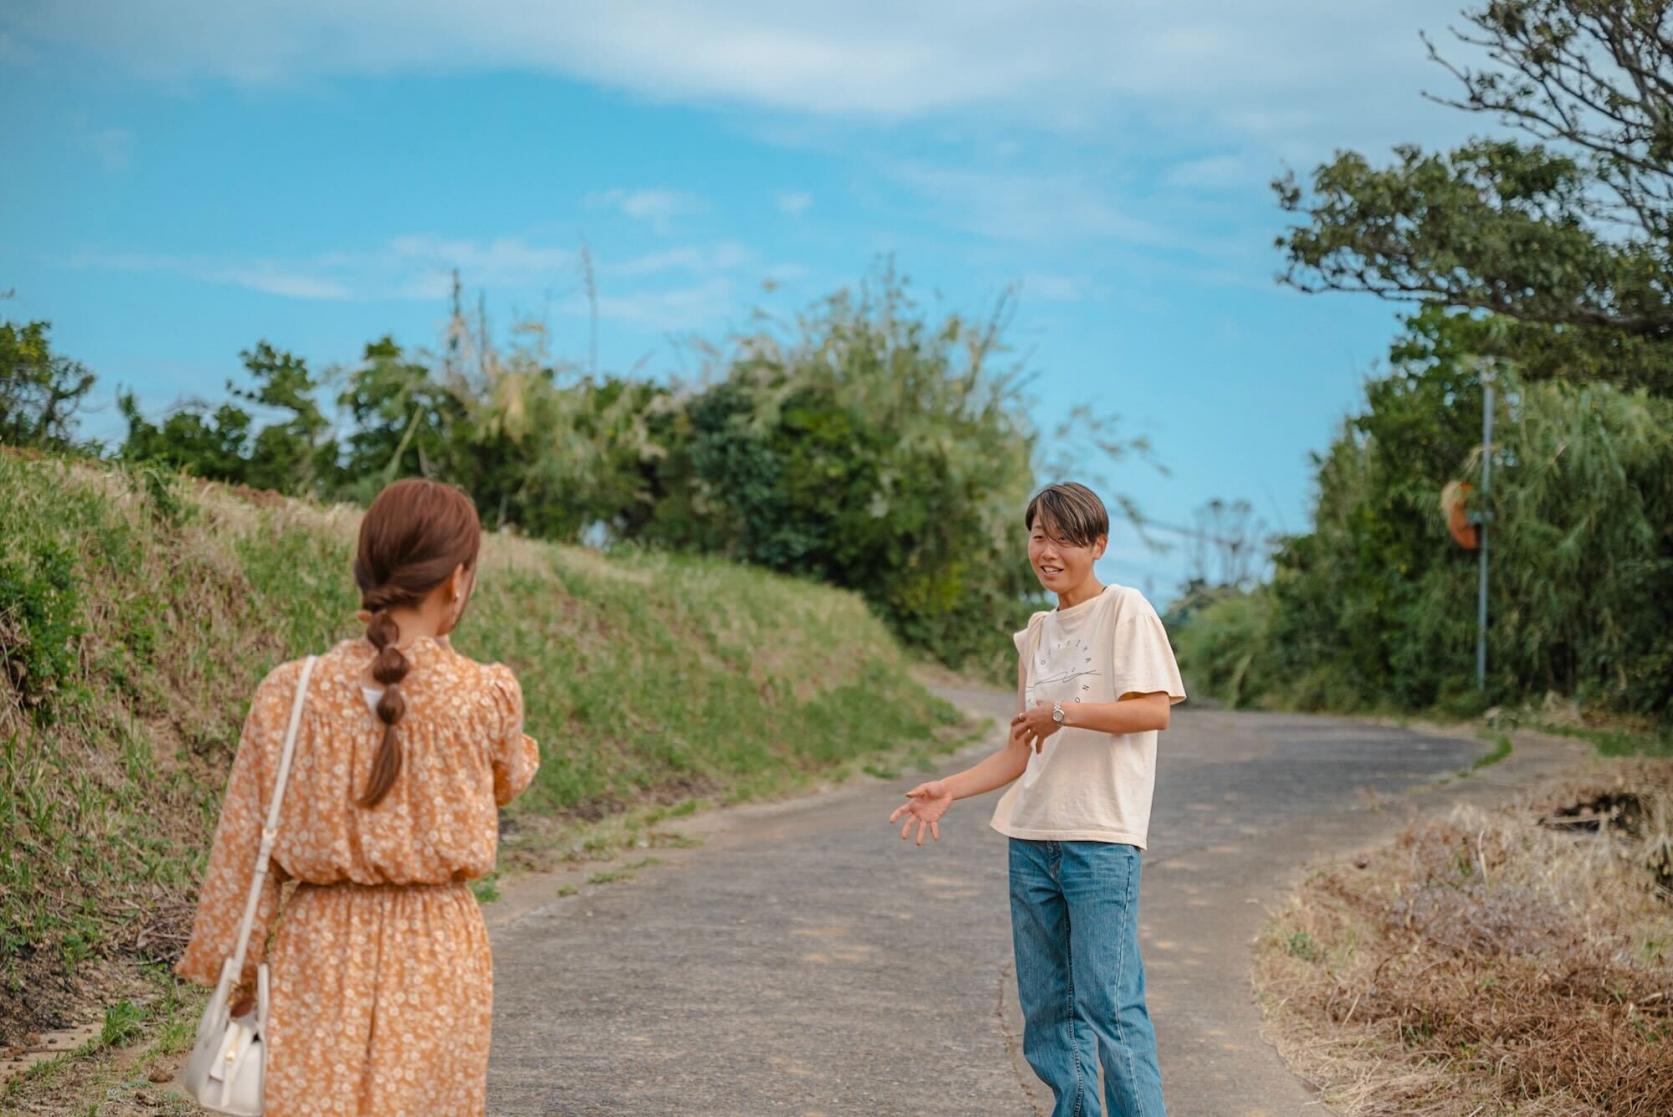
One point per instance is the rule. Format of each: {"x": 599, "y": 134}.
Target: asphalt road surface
{"x": 805, "y": 961}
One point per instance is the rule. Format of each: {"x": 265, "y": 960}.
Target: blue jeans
{"x": 1075, "y": 920}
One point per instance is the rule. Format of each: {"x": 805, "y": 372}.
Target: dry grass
{"x": 1518, "y": 961}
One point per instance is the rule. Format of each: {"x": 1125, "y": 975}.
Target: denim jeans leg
{"x": 1051, "y": 1036}
{"x": 1101, "y": 887}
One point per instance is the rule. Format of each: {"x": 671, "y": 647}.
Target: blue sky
{"x": 185, "y": 178}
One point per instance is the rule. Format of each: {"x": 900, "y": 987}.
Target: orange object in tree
{"x": 1455, "y": 498}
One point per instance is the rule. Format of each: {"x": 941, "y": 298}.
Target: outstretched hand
{"x": 924, "y": 806}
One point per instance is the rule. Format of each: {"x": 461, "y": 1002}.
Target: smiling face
{"x": 1061, "y": 564}
{"x": 1068, "y": 530}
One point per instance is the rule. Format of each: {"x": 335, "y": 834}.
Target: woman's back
{"x": 404, "y": 752}
{"x": 463, "y": 754}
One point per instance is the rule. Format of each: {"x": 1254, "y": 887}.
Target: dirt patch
{"x": 1518, "y": 961}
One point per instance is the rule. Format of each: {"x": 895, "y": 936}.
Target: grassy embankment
{"x": 137, "y": 613}
{"x": 1517, "y": 961}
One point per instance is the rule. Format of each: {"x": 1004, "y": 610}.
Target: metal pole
{"x": 1486, "y": 477}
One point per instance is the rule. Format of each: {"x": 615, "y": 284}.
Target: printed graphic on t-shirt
{"x": 1067, "y": 664}
{"x": 1062, "y": 672}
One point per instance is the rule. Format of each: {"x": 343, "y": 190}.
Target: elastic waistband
{"x": 382, "y": 886}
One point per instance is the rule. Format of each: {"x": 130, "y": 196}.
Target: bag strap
{"x": 270, "y": 831}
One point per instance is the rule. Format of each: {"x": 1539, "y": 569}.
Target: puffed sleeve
{"x": 1028, "y": 636}
{"x": 514, "y": 754}
{"x": 232, "y": 858}
{"x": 1142, "y": 657}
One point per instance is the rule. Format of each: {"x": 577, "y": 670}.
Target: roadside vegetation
{"x": 1516, "y": 961}
{"x": 874, "y": 442}
{"x": 1537, "y": 257}
{"x": 138, "y": 609}
{"x": 1373, "y": 608}
{"x": 1519, "y": 961}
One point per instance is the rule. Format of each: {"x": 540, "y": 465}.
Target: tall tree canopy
{"x": 872, "y": 446}
{"x": 1563, "y": 232}
{"x": 1543, "y": 255}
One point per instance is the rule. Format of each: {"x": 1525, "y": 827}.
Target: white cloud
{"x": 794, "y": 203}
{"x": 1317, "y": 67}
{"x": 657, "y": 208}
{"x": 1036, "y": 208}
{"x": 715, "y": 258}
{"x": 500, "y": 261}
{"x": 679, "y": 308}
{"x": 785, "y": 273}
{"x": 419, "y": 266}
{"x": 275, "y": 280}
{"x": 296, "y": 281}
{"x": 406, "y": 267}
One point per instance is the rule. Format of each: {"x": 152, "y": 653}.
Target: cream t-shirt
{"x": 1085, "y": 785}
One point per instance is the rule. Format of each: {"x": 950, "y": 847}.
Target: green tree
{"x": 1546, "y": 255}
{"x": 1583, "y": 547}
{"x": 542, "y": 446}
{"x": 40, "y": 391}
{"x": 872, "y": 447}
{"x": 209, "y": 444}
{"x": 294, "y": 454}
{"x": 1374, "y": 605}
{"x": 866, "y": 444}
{"x": 1563, "y": 234}
{"x": 403, "y": 420}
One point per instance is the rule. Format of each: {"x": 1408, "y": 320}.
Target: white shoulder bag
{"x": 228, "y": 1067}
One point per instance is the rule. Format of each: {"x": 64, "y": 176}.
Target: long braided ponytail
{"x": 413, "y": 537}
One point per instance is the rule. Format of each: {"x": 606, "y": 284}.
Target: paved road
{"x": 805, "y": 961}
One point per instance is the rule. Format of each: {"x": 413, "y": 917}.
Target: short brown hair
{"x": 1071, "y": 508}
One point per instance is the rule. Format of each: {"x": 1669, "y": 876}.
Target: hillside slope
{"x": 138, "y": 611}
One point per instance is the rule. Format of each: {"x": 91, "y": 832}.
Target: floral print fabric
{"x": 382, "y": 981}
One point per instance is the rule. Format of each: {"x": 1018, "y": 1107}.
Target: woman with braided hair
{"x": 381, "y": 979}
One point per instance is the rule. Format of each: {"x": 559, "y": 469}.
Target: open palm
{"x": 924, "y": 806}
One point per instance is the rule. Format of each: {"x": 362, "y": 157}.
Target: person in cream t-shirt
{"x": 1096, "y": 681}
{"x": 1083, "y": 784}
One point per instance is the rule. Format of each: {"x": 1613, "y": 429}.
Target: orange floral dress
{"x": 381, "y": 977}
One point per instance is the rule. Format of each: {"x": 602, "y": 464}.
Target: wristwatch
{"x": 1057, "y": 712}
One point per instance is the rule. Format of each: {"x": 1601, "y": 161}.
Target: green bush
{"x": 1224, "y": 649}
{"x": 40, "y": 618}
{"x": 872, "y": 448}
{"x": 1375, "y": 605}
